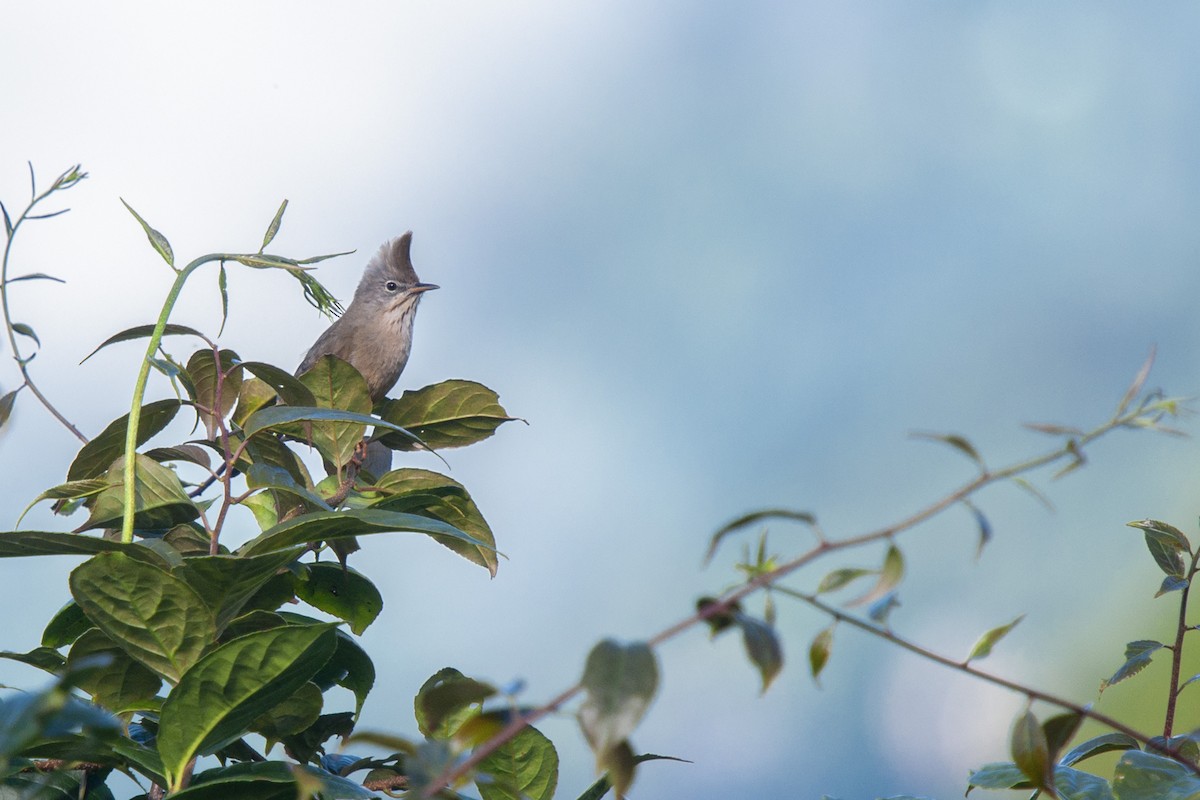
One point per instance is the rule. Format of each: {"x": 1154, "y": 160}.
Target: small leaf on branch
{"x": 1139, "y": 381}
{"x": 223, "y": 288}
{"x": 985, "y": 527}
{"x": 1172, "y": 583}
{"x": 752, "y": 518}
{"x": 273, "y": 228}
{"x": 881, "y": 609}
{"x": 983, "y": 647}
{"x": 1099, "y": 745}
{"x": 890, "y": 576}
{"x": 1059, "y": 730}
{"x": 959, "y": 443}
{"x": 25, "y": 330}
{"x": 1137, "y": 658}
{"x": 818, "y": 652}
{"x": 446, "y": 699}
{"x": 35, "y": 276}
{"x": 144, "y": 332}
{"x": 157, "y": 240}
{"x": 1053, "y": 430}
{"x": 6, "y": 406}
{"x": 762, "y": 647}
{"x": 841, "y": 577}
{"x": 1033, "y": 490}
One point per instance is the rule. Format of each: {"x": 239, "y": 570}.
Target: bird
{"x": 374, "y": 335}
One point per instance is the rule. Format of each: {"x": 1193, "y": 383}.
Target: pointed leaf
{"x": 1139, "y": 381}
{"x": 890, "y": 576}
{"x": 19, "y": 544}
{"x": 223, "y": 288}
{"x": 335, "y": 384}
{"x": 959, "y": 443}
{"x": 6, "y": 406}
{"x": 324, "y": 526}
{"x": 160, "y": 501}
{"x": 226, "y": 583}
{"x": 841, "y": 577}
{"x": 620, "y": 681}
{"x": 157, "y": 240}
{"x": 97, "y": 456}
{"x": 219, "y": 697}
{"x": 1098, "y": 745}
{"x": 984, "y": 646}
{"x": 1172, "y": 583}
{"x": 25, "y": 330}
{"x": 66, "y": 626}
{"x": 207, "y": 379}
{"x": 351, "y": 668}
{"x": 273, "y": 228}
{"x": 1137, "y": 658}
{"x": 152, "y": 615}
{"x": 144, "y": 332}
{"x": 762, "y": 647}
{"x": 122, "y": 686}
{"x": 752, "y": 518}
{"x": 449, "y": 414}
{"x": 1059, "y": 730}
{"x": 288, "y": 387}
{"x": 818, "y": 652}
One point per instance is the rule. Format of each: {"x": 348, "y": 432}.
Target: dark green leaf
{"x": 525, "y": 766}
{"x": 351, "y": 668}
{"x": 288, "y": 387}
{"x": 25, "y": 330}
{"x": 157, "y": 240}
{"x": 1137, "y": 658}
{"x": 270, "y": 780}
{"x": 97, "y": 456}
{"x": 984, "y": 646}
{"x": 223, "y": 288}
{"x": 1145, "y": 776}
{"x": 1106, "y": 743}
{"x": 341, "y": 592}
{"x": 144, "y": 332}
{"x": 17, "y": 544}
{"x": 207, "y": 379}
{"x": 152, "y": 615}
{"x": 44, "y": 658}
{"x": 620, "y": 681}
{"x": 66, "y": 626}
{"x": 752, "y": 518}
{"x": 280, "y": 416}
{"x": 762, "y": 647}
{"x": 192, "y": 454}
{"x": 160, "y": 501}
{"x": 452, "y": 413}
{"x": 6, "y": 406}
{"x": 324, "y": 525}
{"x": 293, "y": 715}
{"x": 226, "y": 690}
{"x": 124, "y": 684}
{"x": 226, "y": 583}
{"x": 34, "y": 276}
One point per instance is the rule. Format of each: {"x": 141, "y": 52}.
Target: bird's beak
{"x": 424, "y": 287}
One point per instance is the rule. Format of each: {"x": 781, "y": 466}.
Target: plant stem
{"x": 1177, "y": 650}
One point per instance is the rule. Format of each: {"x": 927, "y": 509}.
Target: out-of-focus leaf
{"x": 446, "y": 699}
{"x": 1167, "y": 544}
{"x": 1053, "y": 430}
{"x": 818, "y": 652}
{"x": 1137, "y": 658}
{"x": 985, "y": 527}
{"x": 1059, "y": 730}
{"x": 841, "y": 577}
{"x": 752, "y": 518}
{"x": 959, "y": 443}
{"x": 1145, "y": 776}
{"x": 223, "y": 288}
{"x": 1098, "y": 745}
{"x": 157, "y": 240}
{"x": 762, "y": 647}
{"x": 25, "y": 330}
{"x": 125, "y": 684}
{"x": 881, "y": 609}
{"x": 620, "y": 681}
{"x": 890, "y": 576}
{"x": 983, "y": 647}
{"x": 144, "y": 332}
{"x": 452, "y": 413}
{"x": 6, "y": 406}
{"x": 1171, "y": 583}
{"x": 524, "y": 767}
{"x": 1030, "y": 752}
{"x": 97, "y": 456}
{"x": 1139, "y": 381}
{"x": 720, "y": 620}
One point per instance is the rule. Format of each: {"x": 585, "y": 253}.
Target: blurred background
{"x": 720, "y": 256}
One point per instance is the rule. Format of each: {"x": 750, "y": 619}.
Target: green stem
{"x": 139, "y": 389}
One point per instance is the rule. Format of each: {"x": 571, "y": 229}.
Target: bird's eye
{"x": 391, "y": 286}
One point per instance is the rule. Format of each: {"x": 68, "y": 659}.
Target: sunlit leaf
{"x": 523, "y": 768}
{"x": 1029, "y": 750}
{"x": 1137, "y": 658}
{"x": 620, "y": 681}
{"x": 818, "y": 652}
{"x": 890, "y": 576}
{"x": 446, "y": 699}
{"x": 983, "y": 647}
{"x": 452, "y": 413}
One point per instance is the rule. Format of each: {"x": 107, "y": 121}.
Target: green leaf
{"x": 223, "y": 288}
{"x": 752, "y": 518}
{"x": 1071, "y": 784}
{"x": 341, "y": 592}
{"x": 46, "y": 659}
{"x": 446, "y": 699}
{"x": 1144, "y": 776}
{"x": 287, "y": 386}
{"x": 351, "y": 668}
{"x": 1166, "y": 544}
{"x": 273, "y": 228}
{"x": 157, "y": 240}
{"x": 230, "y": 687}
{"x": 279, "y": 416}
{"x": 66, "y": 626}
{"x": 1137, "y": 658}
{"x": 122, "y": 686}
{"x": 97, "y": 456}
{"x": 452, "y": 413}
{"x": 152, "y": 615}
{"x": 72, "y": 490}
{"x": 144, "y": 332}
{"x": 270, "y": 780}
{"x": 6, "y": 406}
{"x": 1030, "y": 751}
{"x": 1098, "y": 745}
{"x": 206, "y": 378}
{"x": 525, "y": 766}
{"x": 160, "y": 501}
{"x": 890, "y": 576}
{"x": 762, "y": 647}
{"x": 18, "y": 544}
{"x": 620, "y": 681}
{"x": 293, "y": 715}
{"x": 841, "y": 577}
{"x": 325, "y": 525}
{"x": 420, "y": 491}
{"x": 226, "y": 583}
{"x": 818, "y": 652}
{"x": 336, "y": 385}
{"x": 983, "y": 647}
{"x": 253, "y": 395}
{"x": 25, "y": 330}
{"x": 1059, "y": 730}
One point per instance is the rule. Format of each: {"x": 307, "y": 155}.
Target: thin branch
{"x": 1177, "y": 649}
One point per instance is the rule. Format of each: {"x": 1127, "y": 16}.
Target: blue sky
{"x": 720, "y": 257}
